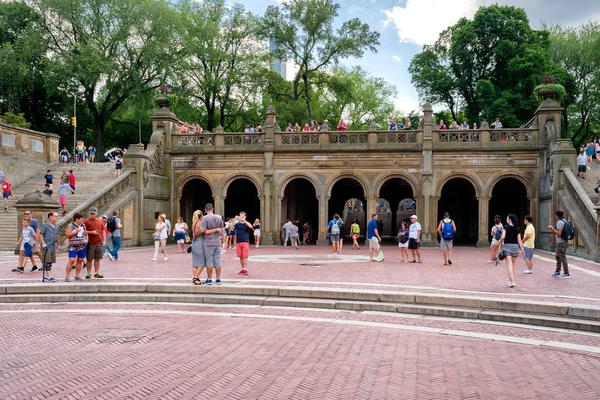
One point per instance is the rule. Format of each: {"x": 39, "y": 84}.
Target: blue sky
{"x": 406, "y": 25}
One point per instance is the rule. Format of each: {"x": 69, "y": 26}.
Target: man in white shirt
{"x": 414, "y": 239}
{"x": 582, "y": 164}
{"x": 288, "y": 230}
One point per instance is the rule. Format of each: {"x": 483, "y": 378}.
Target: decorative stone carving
{"x": 484, "y": 176}
{"x": 145, "y": 175}
{"x": 157, "y": 161}
{"x": 322, "y": 178}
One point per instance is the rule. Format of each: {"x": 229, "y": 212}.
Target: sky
{"x": 407, "y": 25}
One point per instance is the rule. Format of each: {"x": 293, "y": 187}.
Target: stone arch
{"x": 298, "y": 175}
{"x": 241, "y": 175}
{"x": 499, "y": 177}
{"x": 331, "y": 182}
{"x": 415, "y": 187}
{"x": 181, "y": 181}
{"x": 474, "y": 181}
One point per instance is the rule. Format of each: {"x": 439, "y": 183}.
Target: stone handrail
{"x": 348, "y": 137}
{"x": 101, "y": 200}
{"x": 513, "y": 135}
{"x": 300, "y": 138}
{"x": 397, "y": 137}
{"x": 584, "y": 203}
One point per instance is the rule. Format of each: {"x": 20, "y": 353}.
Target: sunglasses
{"x": 26, "y": 213}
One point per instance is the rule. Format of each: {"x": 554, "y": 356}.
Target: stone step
{"x": 555, "y": 315}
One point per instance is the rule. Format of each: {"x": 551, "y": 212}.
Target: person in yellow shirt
{"x": 529, "y": 244}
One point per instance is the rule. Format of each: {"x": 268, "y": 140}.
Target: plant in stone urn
{"x": 550, "y": 90}
{"x": 162, "y": 100}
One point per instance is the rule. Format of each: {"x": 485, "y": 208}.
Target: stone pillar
{"x": 266, "y": 210}
{"x": 270, "y": 204}
{"x": 219, "y": 204}
{"x": 424, "y": 205}
{"x": 371, "y": 207}
{"x": 39, "y": 204}
{"x": 323, "y": 219}
{"x": 137, "y": 159}
{"x": 484, "y": 210}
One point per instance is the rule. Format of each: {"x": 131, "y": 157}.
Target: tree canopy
{"x": 490, "y": 65}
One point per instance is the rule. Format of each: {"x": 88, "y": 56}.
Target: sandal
{"x": 197, "y": 281}
{"x": 413, "y": 261}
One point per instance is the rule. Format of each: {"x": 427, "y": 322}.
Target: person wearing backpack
{"x": 496, "y": 234}
{"x": 564, "y": 232}
{"x": 446, "y": 230}
{"x": 113, "y": 225}
{"x": 355, "y": 228}
{"x": 334, "y": 229}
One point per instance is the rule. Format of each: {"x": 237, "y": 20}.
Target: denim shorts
{"x": 512, "y": 249}
{"x": 81, "y": 254}
{"x": 212, "y": 255}
{"x": 528, "y": 253}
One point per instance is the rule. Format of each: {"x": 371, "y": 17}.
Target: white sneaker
{"x": 154, "y": 259}
{"x": 511, "y": 284}
{"x": 166, "y": 259}
{"x": 110, "y": 257}
{"x": 528, "y": 271}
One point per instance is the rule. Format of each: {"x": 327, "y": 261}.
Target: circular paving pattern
{"x": 308, "y": 259}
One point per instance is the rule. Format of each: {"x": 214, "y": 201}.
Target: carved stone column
{"x": 323, "y": 219}
{"x": 219, "y": 204}
{"x": 484, "y": 210}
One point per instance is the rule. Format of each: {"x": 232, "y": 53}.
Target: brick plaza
{"x": 180, "y": 351}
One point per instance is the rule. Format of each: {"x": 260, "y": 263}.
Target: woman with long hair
{"x": 496, "y": 234}
{"x": 513, "y": 245}
{"x": 355, "y": 230}
{"x": 198, "y": 260}
{"x": 160, "y": 238}
{"x": 256, "y": 227}
{"x": 403, "y": 240}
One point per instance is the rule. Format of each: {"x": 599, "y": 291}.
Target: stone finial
{"x": 484, "y": 125}
{"x": 36, "y": 198}
{"x": 271, "y": 109}
{"x": 372, "y": 126}
{"x": 427, "y": 107}
{"x": 219, "y": 130}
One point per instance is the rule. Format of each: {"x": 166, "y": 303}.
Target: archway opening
{"x": 342, "y": 192}
{"x": 354, "y": 211}
{"x": 459, "y": 199}
{"x": 196, "y": 193}
{"x": 509, "y": 196}
{"x": 300, "y": 204}
{"x": 396, "y": 191}
{"x": 242, "y": 195}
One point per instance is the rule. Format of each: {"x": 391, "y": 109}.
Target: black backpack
{"x": 568, "y": 232}
{"x": 111, "y": 224}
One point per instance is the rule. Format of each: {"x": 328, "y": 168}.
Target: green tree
{"x": 107, "y": 50}
{"x": 221, "y": 63}
{"x": 15, "y": 120}
{"x": 577, "y": 50}
{"x": 492, "y": 62}
{"x": 356, "y": 96}
{"x": 302, "y": 31}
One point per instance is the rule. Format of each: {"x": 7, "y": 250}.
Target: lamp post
{"x": 74, "y": 122}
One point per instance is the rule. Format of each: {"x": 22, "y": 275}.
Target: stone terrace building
{"x": 473, "y": 174}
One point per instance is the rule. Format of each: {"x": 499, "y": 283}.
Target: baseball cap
{"x": 413, "y": 216}
{"x": 94, "y": 210}
{"x": 104, "y": 216}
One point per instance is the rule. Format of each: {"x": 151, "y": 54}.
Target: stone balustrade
{"x": 35, "y": 145}
{"x": 522, "y": 138}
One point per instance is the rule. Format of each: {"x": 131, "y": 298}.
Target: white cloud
{"x": 406, "y": 104}
{"x": 421, "y": 21}
{"x": 396, "y": 58}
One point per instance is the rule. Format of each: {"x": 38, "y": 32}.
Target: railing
{"x": 397, "y": 137}
{"x": 292, "y": 139}
{"x": 582, "y": 212}
{"x": 200, "y": 140}
{"x": 459, "y": 136}
{"x": 102, "y": 200}
{"x": 338, "y": 138}
{"x": 242, "y": 139}
{"x": 510, "y": 135}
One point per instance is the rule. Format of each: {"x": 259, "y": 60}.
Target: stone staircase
{"x": 591, "y": 181}
{"x": 91, "y": 178}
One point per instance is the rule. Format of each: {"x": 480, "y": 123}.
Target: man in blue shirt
{"x": 334, "y": 229}
{"x": 242, "y": 247}
{"x": 373, "y": 236}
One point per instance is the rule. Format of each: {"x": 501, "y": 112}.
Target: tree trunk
{"x": 100, "y": 127}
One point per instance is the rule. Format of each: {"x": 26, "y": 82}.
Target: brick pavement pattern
{"x": 146, "y": 356}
